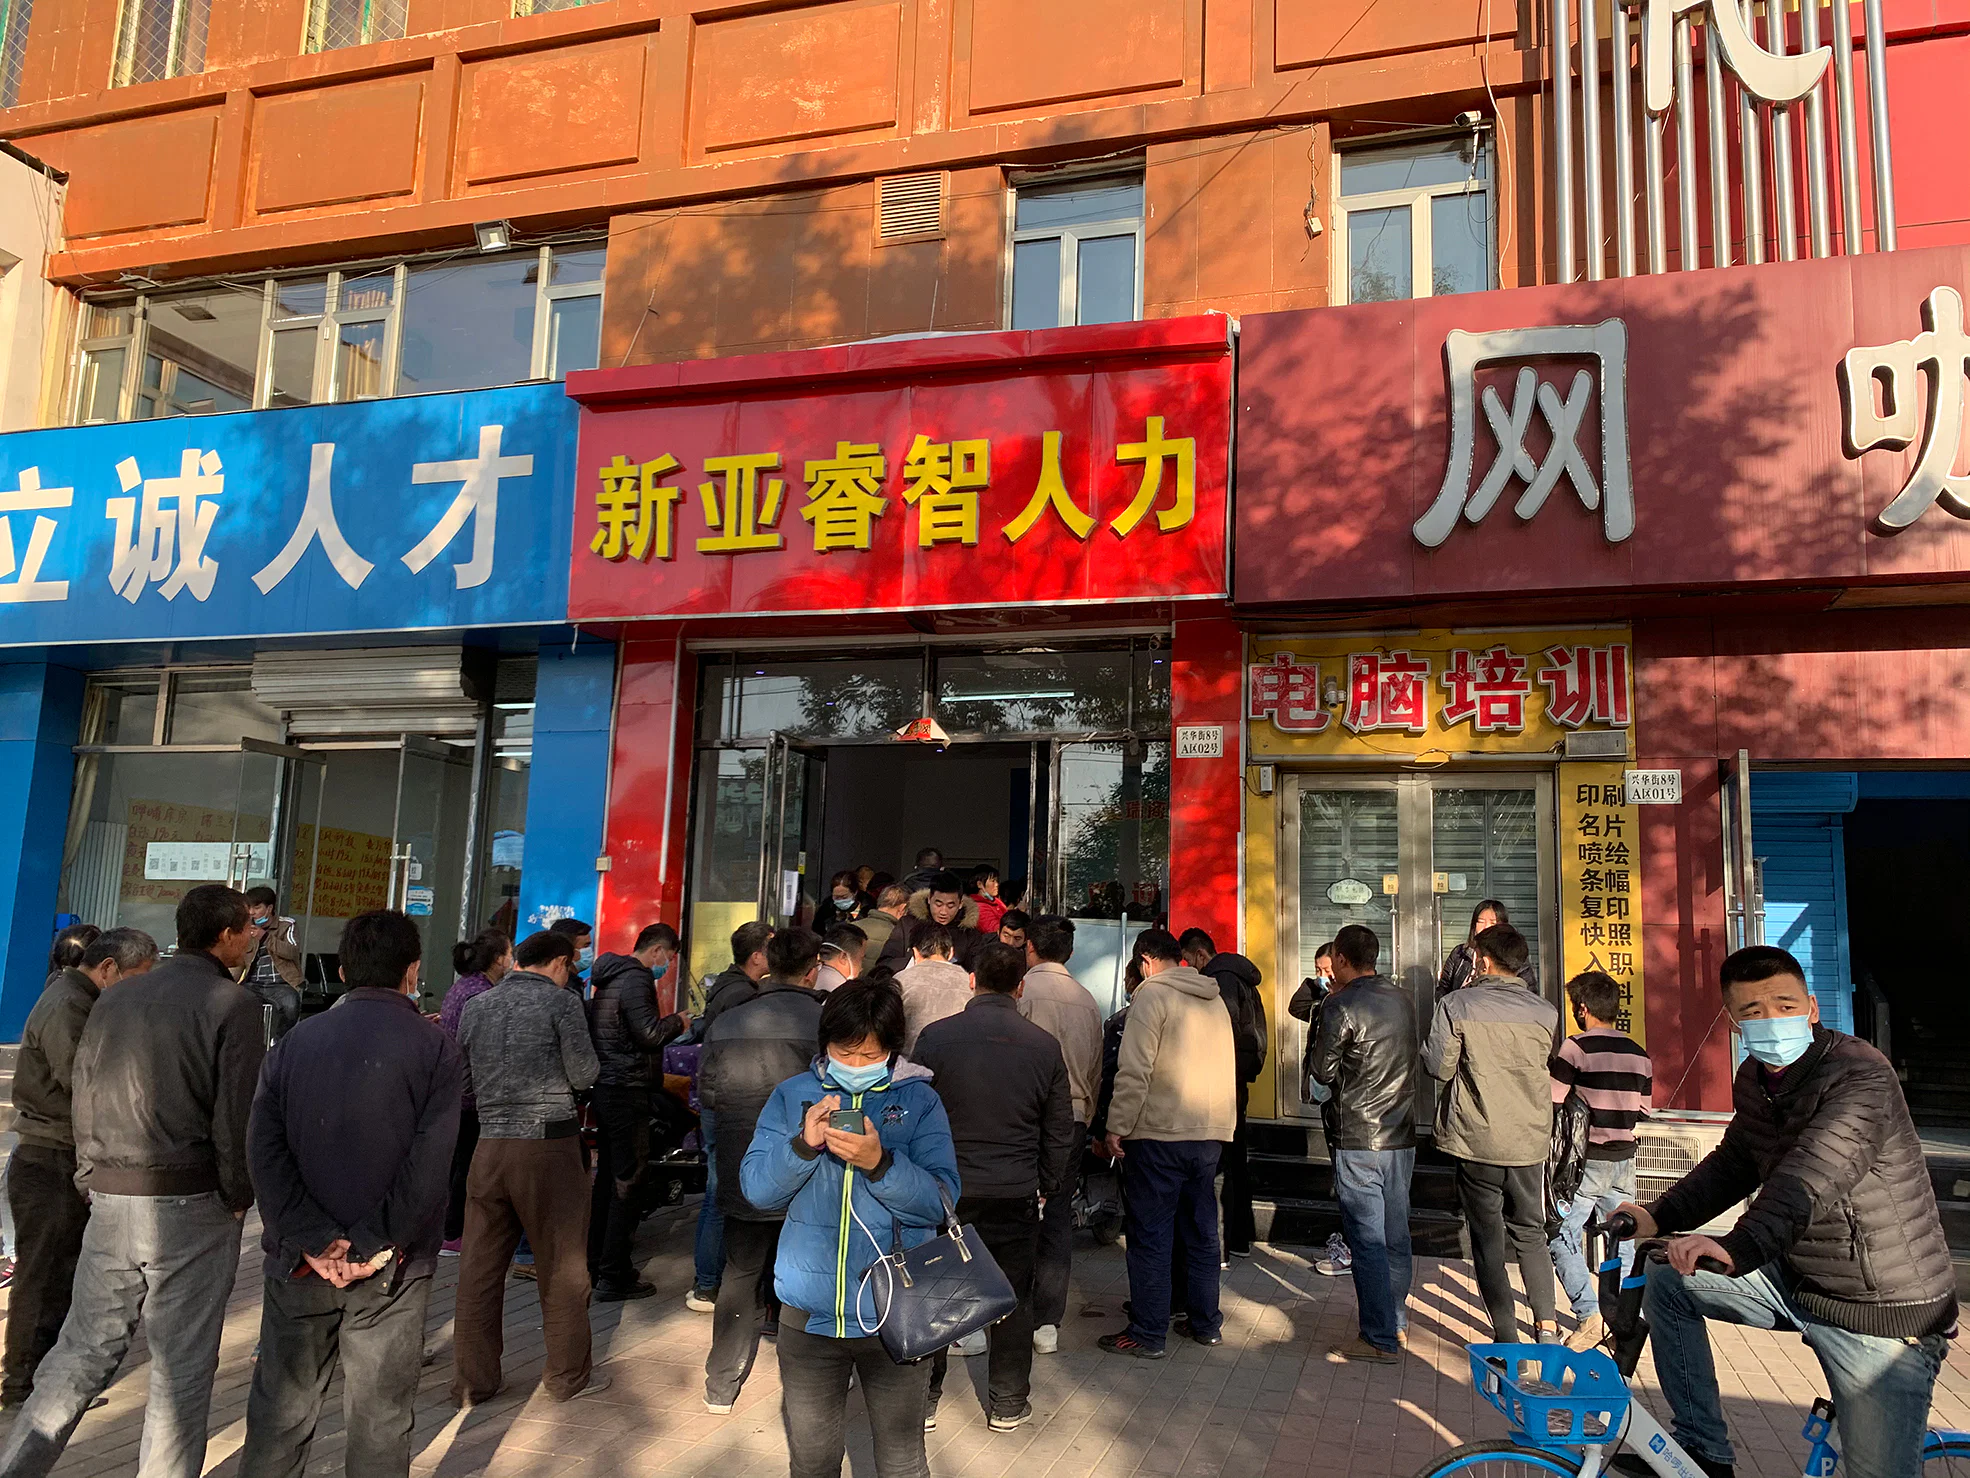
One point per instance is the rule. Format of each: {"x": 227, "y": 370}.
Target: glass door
{"x": 149, "y": 822}
{"x": 1110, "y": 847}
{"x": 795, "y": 802}
{"x": 1410, "y": 857}
{"x": 427, "y": 851}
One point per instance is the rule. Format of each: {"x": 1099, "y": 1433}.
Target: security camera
{"x": 1470, "y": 119}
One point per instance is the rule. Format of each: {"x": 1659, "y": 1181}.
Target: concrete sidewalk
{"x": 1268, "y": 1404}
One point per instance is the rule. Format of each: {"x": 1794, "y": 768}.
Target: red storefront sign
{"x": 1055, "y": 467}
{"x": 1751, "y": 426}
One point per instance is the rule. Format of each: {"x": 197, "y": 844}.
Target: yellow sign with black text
{"x": 1601, "y": 886}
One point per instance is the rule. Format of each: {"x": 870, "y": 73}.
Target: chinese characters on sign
{"x": 1485, "y": 688}
{"x": 1464, "y": 354}
{"x": 845, "y": 496}
{"x": 1939, "y": 355}
{"x": 1771, "y": 77}
{"x": 1600, "y": 885}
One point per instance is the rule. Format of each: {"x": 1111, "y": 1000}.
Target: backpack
{"x": 1248, "y": 1033}
{"x": 1566, "y": 1160}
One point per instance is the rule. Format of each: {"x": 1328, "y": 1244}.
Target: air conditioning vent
{"x": 910, "y": 205}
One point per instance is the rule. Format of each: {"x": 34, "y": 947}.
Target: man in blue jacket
{"x": 848, "y": 1197}
{"x": 350, "y": 1146}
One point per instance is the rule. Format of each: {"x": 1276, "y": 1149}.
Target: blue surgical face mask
{"x": 661, "y": 971}
{"x": 586, "y": 957}
{"x": 1777, "y": 1041}
{"x": 857, "y": 1078}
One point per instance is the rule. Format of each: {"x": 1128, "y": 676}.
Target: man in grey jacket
{"x": 1489, "y": 1044}
{"x": 527, "y": 1054}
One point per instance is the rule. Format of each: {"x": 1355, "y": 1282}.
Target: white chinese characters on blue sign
{"x": 326, "y": 518}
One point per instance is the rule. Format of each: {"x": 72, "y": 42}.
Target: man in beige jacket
{"x": 1489, "y": 1044}
{"x": 1174, "y": 1107}
{"x": 933, "y": 986}
{"x": 1052, "y": 998}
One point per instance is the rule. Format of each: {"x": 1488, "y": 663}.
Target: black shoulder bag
{"x": 940, "y": 1291}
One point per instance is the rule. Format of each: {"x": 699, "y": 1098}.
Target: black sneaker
{"x": 1182, "y": 1328}
{"x": 1006, "y": 1421}
{"x": 770, "y": 1329}
{"x": 1125, "y": 1343}
{"x": 615, "y": 1293}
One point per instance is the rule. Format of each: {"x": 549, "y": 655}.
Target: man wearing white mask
{"x": 1842, "y": 1241}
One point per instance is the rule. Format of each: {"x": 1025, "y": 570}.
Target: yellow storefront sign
{"x": 1601, "y": 886}
{"x": 1435, "y": 695}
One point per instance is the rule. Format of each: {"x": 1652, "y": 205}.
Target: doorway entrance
{"x": 1409, "y": 856}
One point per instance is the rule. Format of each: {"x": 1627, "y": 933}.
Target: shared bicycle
{"x": 1571, "y": 1411}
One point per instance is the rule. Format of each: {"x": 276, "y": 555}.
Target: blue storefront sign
{"x": 418, "y": 513}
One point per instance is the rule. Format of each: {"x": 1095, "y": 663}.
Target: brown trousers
{"x": 536, "y": 1186}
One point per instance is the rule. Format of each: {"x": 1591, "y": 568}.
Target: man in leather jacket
{"x": 1842, "y": 1240}
{"x": 630, "y": 1034}
{"x": 1365, "y": 1051}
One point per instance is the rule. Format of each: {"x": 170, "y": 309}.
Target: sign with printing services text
{"x": 1601, "y": 885}
{"x": 982, "y": 470}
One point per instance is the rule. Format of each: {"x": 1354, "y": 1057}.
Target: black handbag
{"x": 940, "y": 1291}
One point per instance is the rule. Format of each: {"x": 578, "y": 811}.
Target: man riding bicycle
{"x": 1842, "y": 1241}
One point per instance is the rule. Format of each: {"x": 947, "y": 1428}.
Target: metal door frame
{"x": 780, "y": 749}
{"x": 1415, "y": 791}
{"x": 397, "y": 885}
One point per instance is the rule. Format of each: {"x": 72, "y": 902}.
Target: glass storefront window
{"x": 118, "y": 710}
{"x": 1033, "y": 692}
{"x": 725, "y": 867}
{"x": 852, "y": 699}
{"x": 218, "y": 708}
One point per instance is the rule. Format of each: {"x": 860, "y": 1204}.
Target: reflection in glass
{"x": 577, "y": 264}
{"x": 99, "y": 396}
{"x": 359, "y": 360}
{"x": 731, "y": 785}
{"x": 218, "y": 708}
{"x": 1460, "y": 243}
{"x": 1028, "y": 692}
{"x": 1080, "y": 203}
{"x": 811, "y": 700}
{"x": 1379, "y": 261}
{"x": 469, "y": 324}
{"x": 1106, "y": 280}
{"x": 1036, "y": 284}
{"x": 293, "y": 367}
{"x": 574, "y": 335}
{"x": 1488, "y": 843}
{"x": 1411, "y": 167}
{"x": 1346, "y": 836}
{"x": 119, "y": 710}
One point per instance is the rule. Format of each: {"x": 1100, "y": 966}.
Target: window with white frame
{"x": 1414, "y": 221}
{"x": 14, "y": 18}
{"x": 333, "y": 24}
{"x": 451, "y": 323}
{"x": 1077, "y": 252}
{"x": 156, "y": 39}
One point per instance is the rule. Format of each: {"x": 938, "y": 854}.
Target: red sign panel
{"x": 1793, "y": 423}
{"x": 977, "y": 470}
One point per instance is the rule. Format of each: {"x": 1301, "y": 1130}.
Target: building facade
{"x": 1257, "y": 307}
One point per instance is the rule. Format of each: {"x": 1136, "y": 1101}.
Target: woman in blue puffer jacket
{"x": 848, "y": 1199}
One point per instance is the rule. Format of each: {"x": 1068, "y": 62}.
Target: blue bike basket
{"x": 1553, "y": 1396}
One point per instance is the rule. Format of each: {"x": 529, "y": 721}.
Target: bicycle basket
{"x": 1552, "y": 1396}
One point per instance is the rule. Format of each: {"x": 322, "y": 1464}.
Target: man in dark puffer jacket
{"x": 630, "y": 1035}
{"x": 1842, "y": 1240}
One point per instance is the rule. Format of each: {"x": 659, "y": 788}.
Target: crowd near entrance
{"x": 1050, "y": 765}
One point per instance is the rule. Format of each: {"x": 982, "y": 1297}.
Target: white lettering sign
{"x": 1200, "y": 741}
{"x": 1654, "y": 787}
{"x": 1939, "y": 356}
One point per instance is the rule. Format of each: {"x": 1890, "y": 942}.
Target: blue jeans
{"x": 710, "y": 1250}
{"x": 1373, "y": 1188}
{"x": 1606, "y": 1184}
{"x": 1171, "y": 1187}
{"x": 1880, "y": 1387}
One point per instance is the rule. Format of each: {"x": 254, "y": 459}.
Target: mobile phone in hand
{"x": 848, "y": 1121}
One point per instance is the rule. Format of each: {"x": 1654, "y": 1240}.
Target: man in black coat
{"x": 50, "y": 1213}
{"x": 164, "y": 1078}
{"x": 1238, "y": 982}
{"x": 749, "y": 1051}
{"x": 738, "y": 982}
{"x": 1004, "y": 1084}
{"x": 351, "y": 1144}
{"x": 630, "y": 1036}
{"x": 941, "y": 902}
{"x": 1842, "y": 1240}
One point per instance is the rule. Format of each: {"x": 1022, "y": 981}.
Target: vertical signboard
{"x": 1601, "y": 886}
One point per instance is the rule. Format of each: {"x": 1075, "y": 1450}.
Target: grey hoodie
{"x": 528, "y": 1053}
{"x": 1176, "y": 1078}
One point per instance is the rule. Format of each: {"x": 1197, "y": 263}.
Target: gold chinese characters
{"x": 942, "y": 483}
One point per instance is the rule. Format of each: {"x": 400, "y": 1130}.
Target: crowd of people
{"x": 924, "y": 1054}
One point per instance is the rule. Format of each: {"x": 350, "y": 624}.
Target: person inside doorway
{"x": 930, "y": 862}
{"x": 1842, "y": 1240}
{"x": 1015, "y": 928}
{"x": 274, "y": 974}
{"x": 944, "y": 905}
{"x": 892, "y": 903}
{"x": 934, "y": 986}
{"x": 985, "y": 894}
{"x": 1461, "y": 966}
{"x": 845, "y": 903}
{"x": 1489, "y": 1044}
